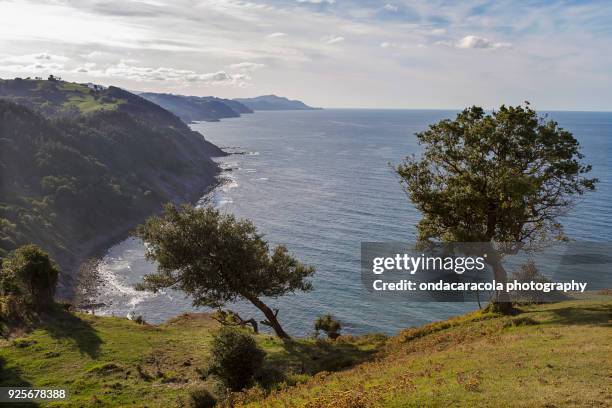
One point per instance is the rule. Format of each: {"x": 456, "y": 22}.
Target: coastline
{"x": 191, "y": 191}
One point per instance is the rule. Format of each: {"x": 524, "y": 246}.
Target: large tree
{"x": 502, "y": 178}
{"x": 216, "y": 259}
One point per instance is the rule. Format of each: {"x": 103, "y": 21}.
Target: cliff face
{"x": 75, "y": 178}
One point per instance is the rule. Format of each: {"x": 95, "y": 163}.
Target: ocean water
{"x": 321, "y": 182}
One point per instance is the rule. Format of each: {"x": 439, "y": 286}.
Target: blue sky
{"x": 332, "y": 53}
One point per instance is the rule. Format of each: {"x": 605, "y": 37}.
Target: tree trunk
{"x": 253, "y": 323}
{"x": 501, "y": 303}
{"x": 270, "y": 315}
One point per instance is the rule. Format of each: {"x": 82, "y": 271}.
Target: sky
{"x": 328, "y": 53}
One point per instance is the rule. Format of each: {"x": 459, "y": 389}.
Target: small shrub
{"x": 13, "y": 307}
{"x": 329, "y": 325}
{"x": 201, "y": 398}
{"x": 235, "y": 358}
{"x": 268, "y": 376}
{"x": 23, "y": 343}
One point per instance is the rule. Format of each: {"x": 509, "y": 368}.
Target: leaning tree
{"x": 217, "y": 259}
{"x": 502, "y": 178}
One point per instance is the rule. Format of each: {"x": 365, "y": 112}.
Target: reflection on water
{"x": 320, "y": 182}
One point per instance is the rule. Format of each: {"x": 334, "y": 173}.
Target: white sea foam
{"x": 228, "y": 165}
{"x": 229, "y": 182}
{"x": 117, "y": 288}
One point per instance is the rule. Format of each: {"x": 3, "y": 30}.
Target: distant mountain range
{"x": 273, "y": 102}
{"x": 196, "y": 108}
{"x": 211, "y": 109}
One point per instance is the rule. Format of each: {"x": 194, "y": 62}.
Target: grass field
{"x": 552, "y": 355}
{"x": 116, "y": 362}
{"x": 80, "y": 97}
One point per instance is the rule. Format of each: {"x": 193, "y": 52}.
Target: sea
{"x": 322, "y": 182}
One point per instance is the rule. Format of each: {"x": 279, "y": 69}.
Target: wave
{"x": 115, "y": 289}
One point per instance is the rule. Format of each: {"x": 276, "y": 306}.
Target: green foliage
{"x": 67, "y": 177}
{"x": 329, "y": 325}
{"x": 201, "y": 398}
{"x": 216, "y": 259}
{"x": 30, "y": 273}
{"x": 504, "y": 177}
{"x": 235, "y": 358}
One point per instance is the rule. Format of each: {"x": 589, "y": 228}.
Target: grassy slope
{"x": 59, "y": 97}
{"x": 97, "y": 358}
{"x": 80, "y": 97}
{"x": 551, "y": 355}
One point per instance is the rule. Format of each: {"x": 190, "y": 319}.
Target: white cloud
{"x": 387, "y": 44}
{"x": 246, "y": 66}
{"x": 317, "y": 1}
{"x": 391, "y": 7}
{"x": 332, "y": 39}
{"x": 33, "y": 63}
{"x": 472, "y": 41}
{"x": 84, "y": 68}
{"x": 41, "y": 57}
{"x": 438, "y": 31}
{"x": 95, "y": 55}
{"x": 276, "y": 35}
{"x": 200, "y": 41}
{"x": 150, "y": 74}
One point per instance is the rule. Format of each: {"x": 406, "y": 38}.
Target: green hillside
{"x": 79, "y": 168}
{"x": 58, "y": 98}
{"x": 550, "y": 355}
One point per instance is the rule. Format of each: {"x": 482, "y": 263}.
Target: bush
{"x": 235, "y": 358}
{"x": 201, "y": 398}
{"x": 329, "y": 325}
{"x": 29, "y": 272}
{"x": 13, "y": 307}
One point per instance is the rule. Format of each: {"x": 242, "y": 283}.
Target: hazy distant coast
{"x": 212, "y": 109}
